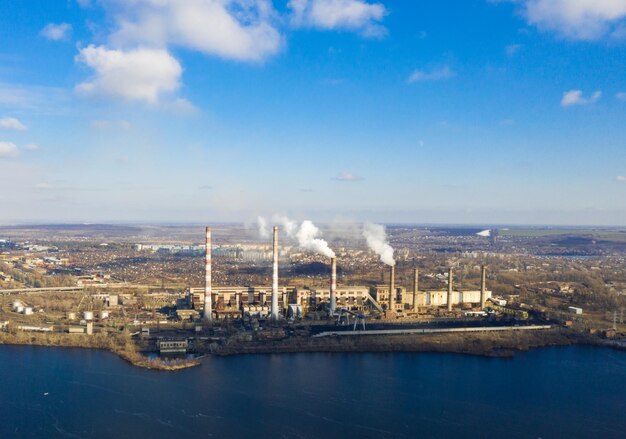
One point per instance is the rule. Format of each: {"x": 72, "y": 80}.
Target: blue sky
{"x": 397, "y": 111}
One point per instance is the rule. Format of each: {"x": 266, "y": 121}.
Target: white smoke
{"x": 377, "y": 241}
{"x": 485, "y": 233}
{"x": 307, "y": 235}
{"x": 289, "y": 226}
{"x": 262, "y": 226}
{"x": 308, "y": 239}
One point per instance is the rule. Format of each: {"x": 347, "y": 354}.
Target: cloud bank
{"x": 577, "y": 19}
{"x": 138, "y": 74}
{"x": 11, "y": 123}
{"x": 352, "y": 15}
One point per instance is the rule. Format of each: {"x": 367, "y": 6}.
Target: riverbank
{"x": 485, "y": 344}
{"x": 119, "y": 344}
{"x": 500, "y": 344}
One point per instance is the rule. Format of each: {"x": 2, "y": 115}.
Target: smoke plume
{"x": 377, "y": 241}
{"x": 262, "y": 225}
{"x": 308, "y": 239}
{"x": 289, "y": 226}
{"x": 307, "y": 234}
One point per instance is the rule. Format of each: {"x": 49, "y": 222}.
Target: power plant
{"x": 381, "y": 301}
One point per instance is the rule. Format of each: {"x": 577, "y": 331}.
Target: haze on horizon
{"x": 473, "y": 112}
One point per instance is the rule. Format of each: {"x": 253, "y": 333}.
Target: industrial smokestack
{"x": 333, "y": 285}
{"x": 275, "y": 275}
{"x": 208, "y": 304}
{"x": 449, "y": 289}
{"x": 483, "y": 286}
{"x": 415, "y": 285}
{"x": 392, "y": 288}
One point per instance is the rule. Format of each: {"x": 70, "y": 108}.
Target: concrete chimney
{"x": 449, "y": 289}
{"x": 274, "y": 310}
{"x": 483, "y": 286}
{"x": 415, "y": 286}
{"x": 333, "y": 285}
{"x": 392, "y": 288}
{"x": 208, "y": 303}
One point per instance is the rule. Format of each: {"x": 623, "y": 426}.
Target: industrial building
{"x": 230, "y": 302}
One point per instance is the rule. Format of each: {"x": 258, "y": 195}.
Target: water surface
{"x": 575, "y": 392}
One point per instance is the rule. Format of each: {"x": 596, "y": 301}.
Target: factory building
{"x": 459, "y": 298}
{"x": 228, "y": 301}
{"x": 236, "y": 301}
{"x": 433, "y": 298}
{"x": 232, "y": 301}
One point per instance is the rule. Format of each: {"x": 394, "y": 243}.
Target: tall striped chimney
{"x": 208, "y": 303}
{"x": 415, "y": 285}
{"x": 483, "y": 286}
{"x": 274, "y": 314}
{"x": 449, "y": 289}
{"x": 392, "y": 288}
{"x": 333, "y": 285}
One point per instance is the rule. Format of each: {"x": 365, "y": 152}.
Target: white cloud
{"x": 57, "y": 32}
{"x": 11, "y": 123}
{"x": 621, "y": 178}
{"x": 8, "y": 149}
{"x": 139, "y": 74}
{"x": 621, "y": 96}
{"x": 354, "y": 15}
{"x": 31, "y": 146}
{"x": 43, "y": 186}
{"x": 576, "y": 19}
{"x": 347, "y": 176}
{"x": 234, "y": 29}
{"x": 575, "y": 97}
{"x": 430, "y": 75}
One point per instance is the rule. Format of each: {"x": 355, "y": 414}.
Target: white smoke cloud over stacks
{"x": 307, "y": 234}
{"x": 290, "y": 226}
{"x": 308, "y": 239}
{"x": 376, "y": 239}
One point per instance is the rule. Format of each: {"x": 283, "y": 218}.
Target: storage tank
{"x": 88, "y": 315}
{"x": 104, "y": 314}
{"x": 71, "y": 316}
{"x": 28, "y": 310}
{"x": 16, "y": 305}
{"x": 19, "y": 308}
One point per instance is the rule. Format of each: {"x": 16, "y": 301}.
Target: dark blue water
{"x": 573, "y": 392}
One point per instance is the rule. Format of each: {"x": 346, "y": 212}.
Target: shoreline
{"x": 480, "y": 344}
{"x": 126, "y": 352}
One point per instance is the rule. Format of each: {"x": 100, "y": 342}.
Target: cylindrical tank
{"x": 104, "y": 314}
{"x": 19, "y": 308}
{"x": 88, "y": 315}
{"x": 16, "y": 305}
{"x": 28, "y": 310}
{"x": 71, "y": 316}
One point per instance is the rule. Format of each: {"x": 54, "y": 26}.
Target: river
{"x": 573, "y": 392}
